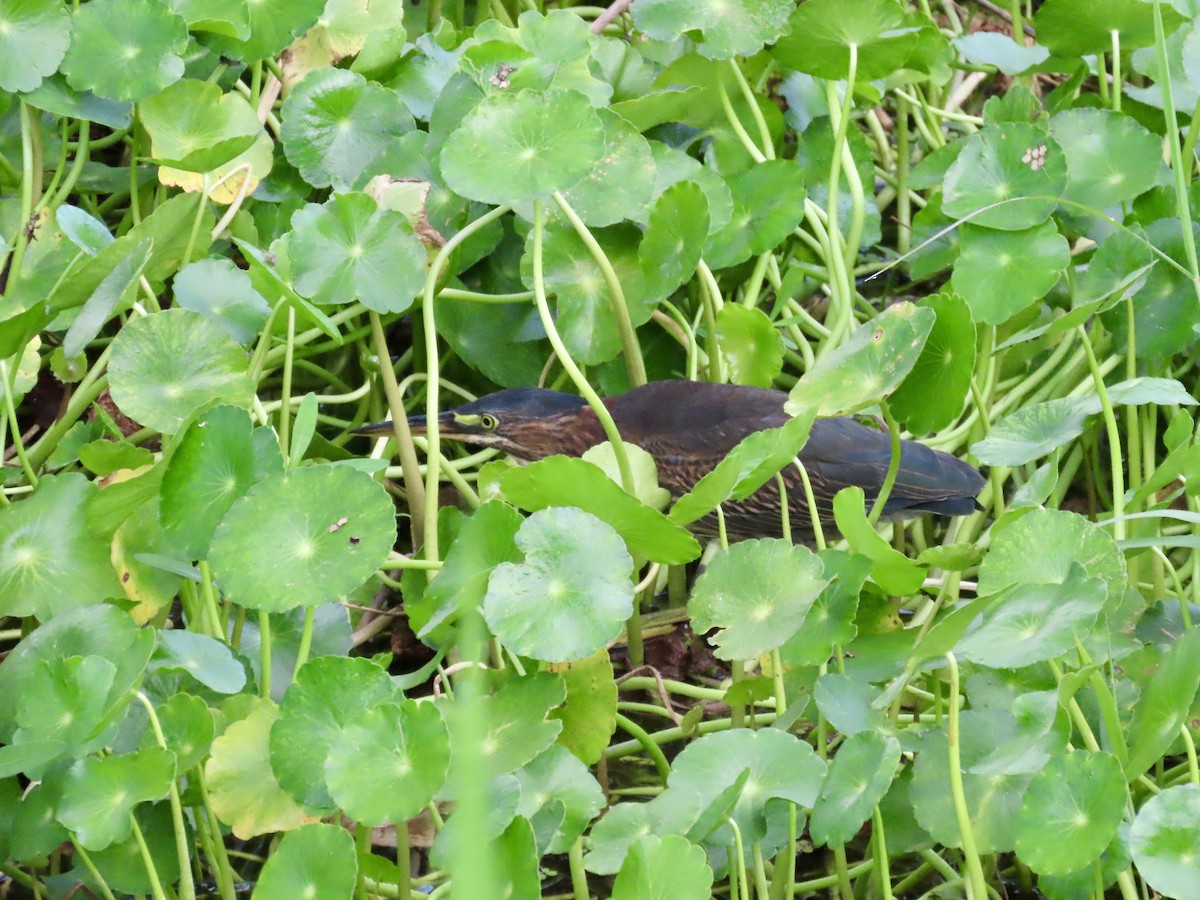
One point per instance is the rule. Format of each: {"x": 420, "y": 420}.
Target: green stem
{"x": 264, "y": 643}
{"x": 429, "y": 321}
{"x": 156, "y": 888}
{"x": 404, "y": 860}
{"x": 187, "y": 887}
{"x": 975, "y": 879}
{"x": 1116, "y": 464}
{"x": 879, "y": 845}
{"x": 285, "y": 396}
{"x": 579, "y": 882}
{"x": 91, "y": 867}
{"x": 889, "y": 480}
{"x": 648, "y": 744}
{"x": 10, "y": 411}
{"x": 306, "y": 637}
{"x": 634, "y": 364}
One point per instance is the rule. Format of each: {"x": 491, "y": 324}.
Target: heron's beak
{"x": 450, "y": 425}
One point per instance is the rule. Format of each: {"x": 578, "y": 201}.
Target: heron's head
{"x": 529, "y": 423}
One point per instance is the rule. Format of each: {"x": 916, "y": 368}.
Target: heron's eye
{"x": 489, "y": 422}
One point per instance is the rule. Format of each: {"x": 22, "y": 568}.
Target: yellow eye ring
{"x": 489, "y": 422}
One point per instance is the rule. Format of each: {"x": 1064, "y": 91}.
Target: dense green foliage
{"x": 231, "y": 232}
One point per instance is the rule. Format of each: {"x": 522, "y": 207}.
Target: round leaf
{"x": 209, "y": 660}
{"x": 1000, "y": 273}
{"x": 166, "y": 365}
{"x": 822, "y": 33}
{"x": 316, "y": 860}
{"x": 1035, "y": 622}
{"x": 1031, "y": 432}
{"x": 1070, "y": 812}
{"x": 273, "y": 25}
{"x": 1040, "y": 548}
{"x": 869, "y": 366}
{"x": 674, "y": 238}
{"x": 188, "y": 726}
{"x": 1016, "y": 165}
{"x": 556, "y": 780}
{"x": 244, "y": 792}
{"x": 932, "y": 395}
{"x": 50, "y": 561}
{"x": 572, "y": 593}
{"x": 768, "y": 205}
{"x": 620, "y": 185}
{"x": 517, "y": 147}
{"x": 1110, "y": 157}
{"x": 196, "y": 127}
{"x": 666, "y": 868}
{"x": 223, "y": 294}
{"x": 326, "y": 693}
{"x": 335, "y": 123}
{"x": 349, "y": 249}
{"x": 1166, "y": 843}
{"x": 758, "y": 592}
{"x": 324, "y": 529}
{"x": 219, "y": 458}
{"x": 780, "y": 766}
{"x": 125, "y": 49}
{"x": 858, "y": 778}
{"x": 100, "y": 793}
{"x": 40, "y": 26}
{"x": 751, "y": 348}
{"x": 589, "y": 716}
{"x": 1061, "y": 27}
{"x": 728, "y": 28}
{"x": 409, "y": 747}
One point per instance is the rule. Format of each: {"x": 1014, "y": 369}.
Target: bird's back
{"x": 690, "y": 426}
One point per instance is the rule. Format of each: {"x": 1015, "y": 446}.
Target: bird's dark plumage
{"x": 688, "y": 427}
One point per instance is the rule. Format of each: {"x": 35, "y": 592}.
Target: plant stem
{"x": 975, "y": 881}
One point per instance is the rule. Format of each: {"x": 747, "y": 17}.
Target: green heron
{"x": 689, "y": 426}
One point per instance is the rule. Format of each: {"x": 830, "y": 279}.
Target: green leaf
{"x": 768, "y": 205}
{"x": 1165, "y": 842}
{"x": 195, "y": 127}
{"x": 1031, "y": 623}
{"x": 1110, "y": 157}
{"x": 1000, "y": 273}
{"x": 568, "y": 482}
{"x": 336, "y": 123}
{"x": 42, "y": 26}
{"x": 484, "y": 541}
{"x": 50, "y": 561}
{"x": 781, "y": 766}
{"x": 188, "y": 726}
{"x": 751, "y": 348}
{"x": 1018, "y": 166}
{"x": 726, "y": 29}
{"x": 621, "y": 184}
{"x": 859, "y": 776}
{"x": 871, "y": 364}
{"x": 326, "y": 694}
{"x": 67, "y": 700}
{"x": 589, "y": 715}
{"x": 895, "y": 572}
{"x": 273, "y": 25}
{"x": 29, "y": 757}
{"x": 666, "y": 868}
{"x": 1070, "y": 812}
{"x": 315, "y": 860}
{"x": 1035, "y": 731}
{"x": 327, "y": 527}
{"x": 225, "y": 17}
{"x": 746, "y": 468}
{"x": 125, "y": 49}
{"x": 830, "y": 621}
{"x": 758, "y": 593}
{"x": 1031, "y": 432}
{"x": 349, "y": 249}
{"x": 219, "y": 457}
{"x": 167, "y": 365}
{"x": 1061, "y": 28}
{"x": 105, "y": 299}
{"x": 673, "y": 166}
{"x": 674, "y": 238}
{"x": 555, "y": 781}
{"x": 1041, "y": 547}
{"x": 209, "y": 660}
{"x": 100, "y": 793}
{"x": 223, "y": 294}
{"x": 518, "y": 147}
{"x": 55, "y": 96}
{"x": 624, "y": 823}
{"x": 572, "y": 593}
{"x": 1165, "y": 704}
{"x": 241, "y": 785}
{"x": 410, "y": 745}
{"x": 517, "y": 727}
{"x": 884, "y": 38}
{"x": 932, "y": 395}
{"x": 988, "y": 48}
